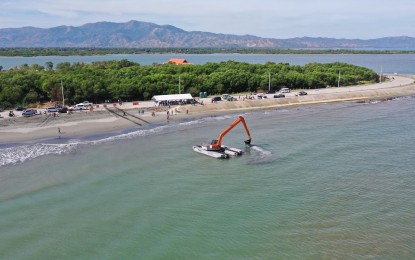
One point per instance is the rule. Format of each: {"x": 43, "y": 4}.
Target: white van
{"x": 80, "y": 106}
{"x": 285, "y": 90}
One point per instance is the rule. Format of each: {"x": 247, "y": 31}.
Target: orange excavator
{"x": 217, "y": 150}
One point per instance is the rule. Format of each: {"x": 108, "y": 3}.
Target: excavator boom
{"x": 217, "y": 144}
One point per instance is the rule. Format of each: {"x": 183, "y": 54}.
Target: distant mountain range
{"x": 135, "y": 34}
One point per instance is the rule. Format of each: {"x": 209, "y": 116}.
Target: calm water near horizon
{"x": 330, "y": 181}
{"x": 387, "y": 63}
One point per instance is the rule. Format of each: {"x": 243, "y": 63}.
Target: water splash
{"x": 261, "y": 155}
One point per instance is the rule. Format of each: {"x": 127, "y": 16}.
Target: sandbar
{"x": 135, "y": 115}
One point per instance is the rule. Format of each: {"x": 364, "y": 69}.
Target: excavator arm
{"x": 217, "y": 144}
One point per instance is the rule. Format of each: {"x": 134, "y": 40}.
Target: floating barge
{"x": 224, "y": 153}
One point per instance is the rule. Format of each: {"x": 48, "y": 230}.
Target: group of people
{"x": 172, "y": 102}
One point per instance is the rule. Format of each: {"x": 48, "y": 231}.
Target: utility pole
{"x": 63, "y": 96}
{"x": 179, "y": 84}
{"x": 338, "y": 82}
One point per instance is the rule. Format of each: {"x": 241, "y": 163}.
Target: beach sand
{"x": 100, "y": 120}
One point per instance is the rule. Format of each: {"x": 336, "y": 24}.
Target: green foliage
{"x": 126, "y": 80}
{"x": 49, "y": 65}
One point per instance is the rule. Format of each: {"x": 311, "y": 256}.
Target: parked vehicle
{"x": 260, "y": 95}
{"x": 301, "y": 93}
{"x": 63, "y": 110}
{"x": 87, "y": 103}
{"x": 215, "y": 99}
{"x": 53, "y": 109}
{"x": 279, "y": 96}
{"x": 20, "y": 108}
{"x": 285, "y": 90}
{"x": 29, "y": 112}
{"x": 80, "y": 106}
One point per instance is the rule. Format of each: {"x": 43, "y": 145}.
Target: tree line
{"x": 128, "y": 81}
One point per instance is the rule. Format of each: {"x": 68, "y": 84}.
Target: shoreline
{"x": 101, "y": 121}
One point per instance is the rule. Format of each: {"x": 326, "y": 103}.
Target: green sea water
{"x": 331, "y": 181}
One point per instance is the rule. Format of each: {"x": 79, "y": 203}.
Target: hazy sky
{"x": 364, "y": 19}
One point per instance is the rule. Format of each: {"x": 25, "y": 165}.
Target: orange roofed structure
{"x": 178, "y": 61}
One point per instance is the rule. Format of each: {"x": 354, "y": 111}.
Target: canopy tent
{"x": 172, "y": 97}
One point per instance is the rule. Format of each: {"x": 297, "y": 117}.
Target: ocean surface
{"x": 328, "y": 181}
{"x": 385, "y": 63}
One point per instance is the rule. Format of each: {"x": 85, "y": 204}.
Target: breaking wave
{"x": 22, "y": 152}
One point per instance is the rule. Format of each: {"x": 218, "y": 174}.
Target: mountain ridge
{"x": 137, "y": 34}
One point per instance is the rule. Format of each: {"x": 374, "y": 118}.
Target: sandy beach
{"x": 131, "y": 115}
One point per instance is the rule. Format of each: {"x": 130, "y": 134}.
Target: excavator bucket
{"x": 248, "y": 142}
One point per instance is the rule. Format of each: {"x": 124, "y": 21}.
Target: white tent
{"x": 172, "y": 97}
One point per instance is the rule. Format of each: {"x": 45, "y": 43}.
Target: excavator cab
{"x": 214, "y": 145}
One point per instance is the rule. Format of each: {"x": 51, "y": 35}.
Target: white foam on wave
{"x": 19, "y": 154}
{"x": 217, "y": 118}
{"x": 131, "y": 135}
{"x": 191, "y": 123}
